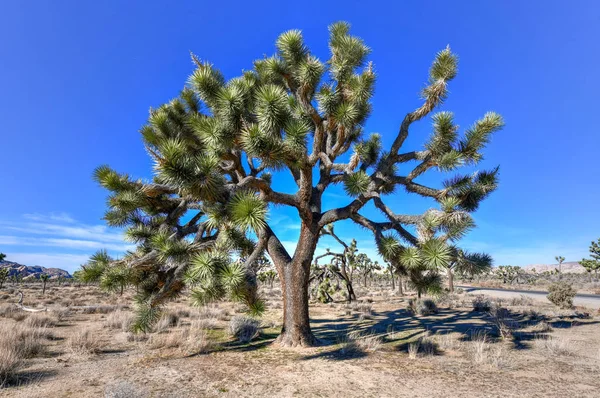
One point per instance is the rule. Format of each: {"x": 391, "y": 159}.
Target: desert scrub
{"x": 423, "y": 306}
{"x": 481, "y": 304}
{"x": 83, "y": 343}
{"x": 120, "y": 320}
{"x": 166, "y": 321}
{"x": 40, "y": 320}
{"x": 243, "y": 328}
{"x": 17, "y": 343}
{"x": 561, "y": 294}
{"x": 357, "y": 342}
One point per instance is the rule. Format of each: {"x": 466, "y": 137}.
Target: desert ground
{"x": 81, "y": 347}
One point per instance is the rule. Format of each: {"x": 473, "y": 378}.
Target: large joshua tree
{"x": 214, "y": 149}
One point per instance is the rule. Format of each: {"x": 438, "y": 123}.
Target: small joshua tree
{"x": 593, "y": 263}
{"x": 44, "y": 278}
{"x": 560, "y": 260}
{"x": 3, "y": 275}
{"x": 508, "y": 273}
{"x": 2, "y": 256}
{"x": 466, "y": 264}
{"x": 268, "y": 276}
{"x": 112, "y": 276}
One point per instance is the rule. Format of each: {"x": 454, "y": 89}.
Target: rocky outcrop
{"x": 33, "y": 272}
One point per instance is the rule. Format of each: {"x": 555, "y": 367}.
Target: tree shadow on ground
{"x": 400, "y": 328}
{"x": 28, "y": 377}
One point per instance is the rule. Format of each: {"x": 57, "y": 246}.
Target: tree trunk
{"x": 400, "y": 287}
{"x": 44, "y": 288}
{"x": 294, "y": 277}
{"x": 393, "y": 282}
{"x": 450, "y": 280}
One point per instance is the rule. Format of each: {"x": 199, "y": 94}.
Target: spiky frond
{"x": 248, "y": 211}
{"x": 357, "y": 183}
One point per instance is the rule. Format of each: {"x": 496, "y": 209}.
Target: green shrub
{"x": 561, "y": 294}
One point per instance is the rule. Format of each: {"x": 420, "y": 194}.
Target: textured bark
{"x": 294, "y": 276}
{"x": 450, "y": 280}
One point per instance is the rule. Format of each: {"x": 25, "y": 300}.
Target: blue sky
{"x": 77, "y": 79}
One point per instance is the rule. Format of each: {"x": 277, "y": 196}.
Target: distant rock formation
{"x": 572, "y": 267}
{"x": 33, "y": 272}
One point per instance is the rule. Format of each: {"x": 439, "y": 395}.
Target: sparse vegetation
{"x": 243, "y": 328}
{"x": 561, "y": 294}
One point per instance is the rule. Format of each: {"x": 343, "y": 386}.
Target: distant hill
{"x": 572, "y": 267}
{"x": 29, "y": 272}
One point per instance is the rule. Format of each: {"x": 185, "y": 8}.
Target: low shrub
{"x": 561, "y": 294}
{"x": 17, "y": 343}
{"x": 360, "y": 343}
{"x": 120, "y": 320}
{"x": 481, "y": 304}
{"x": 423, "y": 306}
{"x": 243, "y": 328}
{"x": 84, "y": 342}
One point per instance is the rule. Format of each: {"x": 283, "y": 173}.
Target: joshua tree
{"x": 560, "y": 260}
{"x": 3, "y": 275}
{"x": 593, "y": 263}
{"x": 508, "y": 273}
{"x": 268, "y": 277}
{"x": 44, "y": 278}
{"x": 466, "y": 264}
{"x": 113, "y": 276}
{"x": 214, "y": 147}
{"x": 2, "y": 256}
{"x": 341, "y": 263}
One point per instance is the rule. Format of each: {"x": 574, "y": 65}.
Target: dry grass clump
{"x": 40, "y": 320}
{"x": 190, "y": 340}
{"x": 522, "y": 300}
{"x": 84, "y": 343}
{"x": 121, "y": 320}
{"x": 17, "y": 343}
{"x": 482, "y": 353}
{"x": 449, "y": 300}
{"x": 166, "y": 321}
{"x": 424, "y": 345}
{"x": 558, "y": 345}
{"x": 99, "y": 309}
{"x": 481, "y": 304}
{"x": 542, "y": 327}
{"x": 211, "y": 312}
{"x": 243, "y": 328}
{"x": 11, "y": 311}
{"x": 365, "y": 309}
{"x": 447, "y": 341}
{"x": 358, "y": 342}
{"x": 502, "y": 319}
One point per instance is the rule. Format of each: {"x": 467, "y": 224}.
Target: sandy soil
{"x": 453, "y": 360}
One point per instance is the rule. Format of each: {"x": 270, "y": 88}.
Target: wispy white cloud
{"x": 78, "y": 231}
{"x": 67, "y": 261}
{"x": 75, "y": 244}
{"x": 37, "y": 237}
{"x": 56, "y": 217}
